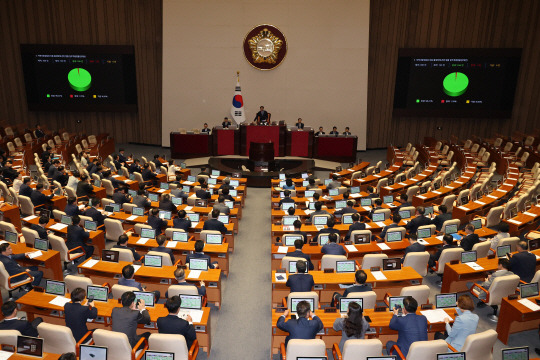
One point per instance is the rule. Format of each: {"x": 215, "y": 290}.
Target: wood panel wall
{"x": 88, "y": 22}
{"x": 450, "y": 24}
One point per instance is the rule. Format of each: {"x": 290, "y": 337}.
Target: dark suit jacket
{"x": 166, "y": 250}
{"x": 95, "y": 215}
{"x": 156, "y": 223}
{"x": 136, "y": 255}
{"x": 386, "y": 228}
{"x": 333, "y": 249}
{"x": 328, "y": 231}
{"x": 523, "y": 264}
{"x": 468, "y": 242}
{"x": 203, "y": 194}
{"x": 25, "y": 190}
{"x": 301, "y": 328}
{"x": 84, "y": 189}
{"x": 200, "y": 256}
{"x": 357, "y": 288}
{"x": 120, "y": 198}
{"x": 303, "y": 233}
{"x": 24, "y": 327}
{"x": 415, "y": 247}
{"x": 300, "y": 282}
{"x": 76, "y": 236}
{"x": 41, "y": 231}
{"x": 11, "y": 265}
{"x": 147, "y": 174}
{"x": 184, "y": 224}
{"x": 214, "y": 224}
{"x": 61, "y": 178}
{"x": 437, "y": 255}
{"x": 299, "y": 125}
{"x": 413, "y": 225}
{"x": 125, "y": 320}
{"x": 51, "y": 173}
{"x": 39, "y": 198}
{"x": 141, "y": 201}
{"x": 72, "y": 209}
{"x": 355, "y": 226}
{"x": 76, "y": 315}
{"x": 134, "y": 168}
{"x": 167, "y": 205}
{"x": 300, "y": 254}
{"x": 286, "y": 200}
{"x": 172, "y": 324}
{"x": 439, "y": 220}
{"x": 410, "y": 328}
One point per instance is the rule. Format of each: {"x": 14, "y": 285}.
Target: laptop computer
{"x": 223, "y": 218}
{"x": 282, "y": 177}
{"x": 92, "y": 352}
{"x": 11, "y": 237}
{"x": 66, "y": 220}
{"x": 289, "y": 220}
{"x": 138, "y": 211}
{"x": 153, "y": 197}
{"x": 534, "y": 244}
{"x": 451, "y": 229}
{"x": 55, "y": 287}
{"x": 528, "y": 290}
{"x": 110, "y": 255}
{"x": 148, "y": 233}
{"x": 378, "y": 217}
{"x": 320, "y": 220}
{"x": 176, "y": 200}
{"x": 503, "y": 250}
{"x": 214, "y": 239}
{"x": 165, "y": 215}
{"x": 424, "y": 233}
{"x": 198, "y": 264}
{"x": 290, "y": 239}
{"x": 391, "y": 264}
{"x": 90, "y": 225}
{"x": 355, "y": 189}
{"x": 428, "y": 210}
{"x": 191, "y": 302}
{"x": 340, "y": 204}
{"x": 41, "y": 244}
{"x": 405, "y": 214}
{"x": 323, "y": 239}
{"x": 468, "y": 256}
{"x": 153, "y": 261}
{"x": 443, "y": 301}
{"x": 292, "y": 268}
{"x": 388, "y": 357}
{"x": 477, "y": 223}
{"x": 194, "y": 217}
{"x": 346, "y": 219}
{"x": 388, "y": 199}
{"x": 295, "y": 301}
{"x": 233, "y": 193}
{"x": 30, "y": 346}
{"x": 229, "y": 204}
{"x": 132, "y": 193}
{"x": 365, "y": 202}
{"x": 451, "y": 356}
{"x": 234, "y": 183}
{"x": 393, "y": 236}
{"x": 180, "y": 236}
{"x": 333, "y": 192}
{"x": 362, "y": 238}
{"x": 147, "y": 296}
{"x": 99, "y": 293}
{"x": 164, "y": 186}
{"x": 517, "y": 353}
{"x": 345, "y": 266}
{"x": 344, "y": 304}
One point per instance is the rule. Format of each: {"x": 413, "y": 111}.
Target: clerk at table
{"x": 262, "y": 116}
{"x": 226, "y": 123}
{"x": 299, "y": 124}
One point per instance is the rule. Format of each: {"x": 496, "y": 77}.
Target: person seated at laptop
{"x": 334, "y": 131}
{"x": 61, "y": 176}
{"x": 40, "y": 227}
{"x": 148, "y": 174}
{"x": 291, "y": 211}
{"x": 214, "y": 223}
{"x": 223, "y": 209}
{"x": 502, "y": 233}
{"x": 77, "y": 314}
{"x": 414, "y": 246}
{"x": 377, "y": 205}
{"x": 301, "y": 327}
{"x": 287, "y": 198}
{"x": 181, "y": 221}
{"x": 199, "y": 254}
{"x": 448, "y": 243}
{"x": 356, "y": 225}
{"x": 318, "y": 211}
{"x": 503, "y": 269}
{"x": 94, "y": 213}
{"x": 180, "y": 276}
{"x": 470, "y": 238}
{"x": 122, "y": 244}
{"x": 396, "y": 218}
{"x": 298, "y": 244}
{"x": 330, "y": 228}
{"x": 410, "y": 327}
{"x": 172, "y": 324}
{"x": 523, "y": 263}
{"x": 84, "y": 187}
{"x": 360, "y": 285}
{"x": 439, "y": 220}
{"x": 160, "y": 239}
{"x": 76, "y": 236}
{"x": 226, "y": 194}
{"x": 202, "y": 193}
{"x": 128, "y": 279}
{"x": 371, "y": 193}
{"x": 311, "y": 185}
{"x": 121, "y": 196}
{"x": 403, "y": 202}
{"x": 12, "y": 322}
{"x": 332, "y": 247}
{"x": 38, "y": 198}
{"x": 347, "y": 209}
{"x": 289, "y": 185}
{"x": 135, "y": 166}
{"x": 25, "y": 189}
{"x": 71, "y": 207}
{"x": 157, "y": 162}
{"x": 353, "y": 326}
{"x": 166, "y": 204}
{"x": 226, "y": 184}
{"x": 126, "y": 318}
{"x": 297, "y": 226}
{"x": 419, "y": 220}
{"x": 465, "y": 324}
{"x": 300, "y": 282}
{"x": 335, "y": 182}
{"x": 155, "y": 221}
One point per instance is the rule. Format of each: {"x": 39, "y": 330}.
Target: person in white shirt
{"x": 502, "y": 232}
{"x": 172, "y": 168}
{"x": 17, "y": 183}
{"x": 73, "y": 180}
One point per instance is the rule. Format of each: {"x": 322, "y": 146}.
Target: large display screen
{"x": 456, "y": 82}
{"x": 79, "y": 77}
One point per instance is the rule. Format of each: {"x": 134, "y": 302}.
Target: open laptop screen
{"x": 153, "y": 260}
{"x": 180, "y": 236}
{"x": 344, "y": 303}
{"x": 99, "y": 293}
{"x": 517, "y": 353}
{"x": 528, "y": 290}
{"x": 147, "y": 296}
{"x": 198, "y": 264}
{"x": 31, "y": 346}
{"x": 346, "y": 266}
{"x": 92, "y": 352}
{"x": 443, "y": 301}
{"x": 54, "y": 287}
{"x": 192, "y": 302}
{"x": 295, "y": 301}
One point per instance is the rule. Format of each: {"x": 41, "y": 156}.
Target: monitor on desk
{"x": 503, "y": 250}
{"x": 390, "y": 181}
{"x": 323, "y": 239}
{"x": 41, "y": 244}
{"x": 137, "y": 211}
{"x": 147, "y": 296}
{"x": 234, "y": 183}
{"x": 391, "y": 264}
{"x": 99, "y": 293}
{"x": 66, "y": 220}
{"x": 405, "y": 214}
{"x": 468, "y": 256}
{"x": 282, "y": 184}
{"x": 477, "y": 223}
{"x": 233, "y": 193}
{"x": 30, "y": 346}
{"x": 180, "y": 236}
{"x": 340, "y": 204}
{"x": 176, "y": 200}
{"x": 312, "y": 358}
{"x": 289, "y": 220}
{"x": 186, "y": 188}
{"x": 346, "y": 219}
{"x": 148, "y": 233}
{"x": 90, "y": 225}
{"x": 191, "y": 178}
{"x": 365, "y": 201}
{"x": 295, "y": 301}
{"x": 214, "y": 239}
{"x": 395, "y": 300}
{"x": 55, "y": 287}
{"x": 153, "y": 197}
{"x": 116, "y": 207}
{"x": 282, "y": 177}
{"x": 428, "y": 210}
{"x": 132, "y": 177}
{"x": 110, "y": 255}
{"x": 165, "y": 215}
{"x": 305, "y": 175}
{"x": 327, "y": 181}
{"x": 292, "y": 267}
{"x": 378, "y": 216}
{"x": 309, "y": 193}
{"x": 198, "y": 264}
{"x": 424, "y": 233}
{"x": 164, "y": 186}
{"x": 344, "y": 304}
{"x": 388, "y": 199}
{"x": 451, "y": 356}
{"x": 183, "y": 165}
{"x": 333, "y": 192}
{"x": 362, "y": 238}
{"x": 355, "y": 189}
{"x": 534, "y": 244}
{"x": 153, "y": 261}
{"x": 517, "y": 353}
{"x": 464, "y": 200}
{"x": 528, "y": 290}
{"x": 229, "y": 204}
{"x": 191, "y": 302}
{"x": 393, "y": 236}
{"x": 346, "y": 266}
{"x": 223, "y": 218}
{"x": 216, "y": 173}
{"x": 451, "y": 229}
{"x": 194, "y": 217}
{"x": 97, "y": 183}
{"x": 320, "y": 220}
{"x": 513, "y": 212}
{"x": 305, "y": 183}
{"x": 212, "y": 181}
{"x": 11, "y": 237}
{"x": 311, "y": 206}
{"x": 423, "y": 190}
{"x": 92, "y": 352}
{"x": 287, "y": 205}
{"x": 132, "y": 193}
{"x": 443, "y": 301}
{"x": 290, "y": 239}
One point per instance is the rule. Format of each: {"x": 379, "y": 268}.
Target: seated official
{"x": 166, "y": 204}
{"x": 76, "y": 314}
{"x": 141, "y": 200}
{"x": 287, "y": 199}
{"x": 353, "y": 326}
{"x": 301, "y": 327}
{"x": 214, "y": 223}
{"x": 199, "y": 254}
{"x": 334, "y": 131}
{"x": 311, "y": 184}
{"x": 181, "y": 221}
{"x": 347, "y": 131}
{"x": 360, "y": 285}
{"x": 226, "y": 123}
{"x": 347, "y": 209}
{"x": 377, "y": 205}
{"x": 172, "y": 324}
{"x": 51, "y": 172}
{"x": 502, "y": 233}
{"x": 203, "y": 193}
{"x": 226, "y": 184}
{"x": 523, "y": 263}
{"x": 419, "y": 220}
{"x": 414, "y": 246}
{"x": 84, "y": 187}
{"x": 396, "y": 218}
{"x": 73, "y": 179}
{"x": 158, "y": 163}
{"x": 410, "y": 327}
{"x": 39, "y": 133}
{"x": 25, "y": 189}
{"x": 300, "y": 282}
{"x": 121, "y": 196}
{"x": 94, "y": 213}
{"x": 262, "y": 116}
{"x": 503, "y": 266}
{"x": 148, "y": 174}
{"x": 61, "y": 176}
{"x": 371, "y": 192}
{"x": 226, "y": 194}
{"x": 297, "y": 226}
{"x": 332, "y": 247}
{"x": 448, "y": 243}
{"x": 72, "y": 208}
{"x": 356, "y": 225}
{"x": 12, "y": 322}
{"x": 155, "y": 221}
{"x": 205, "y": 129}
{"x": 289, "y": 185}
{"x": 298, "y": 244}
{"x": 13, "y": 268}
{"x": 122, "y": 244}
{"x": 329, "y": 229}
{"x": 403, "y": 202}
{"x": 76, "y": 236}
{"x": 335, "y": 182}
{"x": 160, "y": 239}
{"x": 221, "y": 207}
{"x": 470, "y": 238}
{"x": 439, "y": 220}
{"x": 180, "y": 276}
{"x": 465, "y": 324}
{"x": 135, "y": 167}
{"x": 299, "y": 124}
{"x": 40, "y": 227}
{"x": 126, "y": 318}
{"x": 318, "y": 211}
{"x": 128, "y": 279}
{"x": 320, "y": 132}
{"x": 38, "y": 198}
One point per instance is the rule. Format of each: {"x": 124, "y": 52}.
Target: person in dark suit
{"x": 223, "y": 209}
{"x": 334, "y": 131}
{"x": 377, "y": 205}
{"x": 158, "y": 163}
{"x": 261, "y": 118}
{"x": 470, "y": 238}
{"x": 61, "y": 176}
{"x": 122, "y": 155}
{"x": 395, "y": 223}
{"x": 39, "y": 133}
{"x": 419, "y": 220}
{"x": 8, "y": 172}
{"x": 76, "y": 314}
{"x": 165, "y": 203}
{"x": 117, "y": 163}
{"x": 523, "y": 263}
{"x": 413, "y": 247}
{"x": 46, "y": 154}
{"x": 51, "y": 172}
{"x": 12, "y": 322}
{"x": 84, "y": 188}
{"x": 347, "y": 131}
{"x": 439, "y": 220}
{"x": 356, "y": 225}
{"x": 76, "y": 237}
{"x": 122, "y": 244}
{"x": 214, "y": 223}
{"x": 155, "y": 222}
{"x": 13, "y": 268}
{"x": 25, "y": 189}
{"x": 199, "y": 254}
{"x": 107, "y": 175}
{"x": 202, "y": 193}
{"x": 92, "y": 212}
{"x": 404, "y": 202}
{"x": 226, "y": 194}
{"x": 205, "y": 129}
{"x": 298, "y": 244}
{"x": 297, "y": 226}
{"x": 141, "y": 200}
{"x": 135, "y": 166}
{"x": 40, "y": 227}
{"x": 318, "y": 211}
{"x": 226, "y": 123}
{"x": 160, "y": 239}
{"x": 448, "y": 243}
{"x": 301, "y": 327}
{"x": 121, "y": 196}
{"x": 180, "y": 276}
{"x": 128, "y": 279}
{"x": 329, "y": 229}
{"x": 335, "y": 182}
{"x": 300, "y": 282}
{"x": 347, "y": 209}
{"x": 360, "y": 285}
{"x": 38, "y": 198}
{"x": 181, "y": 221}
{"x": 299, "y": 124}
{"x": 126, "y": 318}
{"x": 332, "y": 247}
{"x": 172, "y": 324}
{"x": 72, "y": 208}
{"x": 287, "y": 199}
{"x": 320, "y": 132}
{"x": 410, "y": 327}
{"x": 226, "y": 184}
{"x": 148, "y": 174}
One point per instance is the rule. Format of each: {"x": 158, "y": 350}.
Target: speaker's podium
{"x": 276, "y": 134}
{"x": 261, "y": 156}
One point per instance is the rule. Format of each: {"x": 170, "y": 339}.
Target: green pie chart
{"x": 79, "y": 79}
{"x": 455, "y": 84}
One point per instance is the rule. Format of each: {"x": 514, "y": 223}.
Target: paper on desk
{"x": 58, "y": 226}
{"x": 351, "y": 247}
{"x": 459, "y": 182}
{"x": 136, "y": 267}
{"x": 514, "y": 221}
{"x": 377, "y": 175}
{"x": 436, "y": 192}
{"x": 474, "y": 266}
{"x": 59, "y": 301}
{"x": 142, "y": 241}
{"x": 31, "y": 217}
{"x": 194, "y": 274}
{"x": 355, "y": 196}
{"x": 196, "y": 315}
{"x": 435, "y": 316}
{"x": 280, "y": 277}
{"x": 380, "y": 224}
{"x": 528, "y": 303}
{"x": 132, "y": 217}
{"x": 368, "y": 226}
{"x": 493, "y": 197}
{"x": 188, "y": 183}
{"x": 90, "y": 263}
{"x": 171, "y": 244}
{"x": 530, "y": 214}
{"x": 449, "y": 187}
{"x": 480, "y": 202}
{"x": 388, "y": 187}
{"x": 187, "y": 208}
{"x": 463, "y": 208}
{"x": 383, "y": 246}
{"x": 439, "y": 237}
{"x": 34, "y": 254}
{"x": 4, "y": 355}
{"x": 421, "y": 196}
{"x": 367, "y": 208}
{"x": 282, "y": 249}
{"x": 378, "y": 275}
{"x": 308, "y": 211}
{"x": 351, "y": 170}
{"x": 162, "y": 190}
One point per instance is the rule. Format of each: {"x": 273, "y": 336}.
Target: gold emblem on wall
{"x": 265, "y": 47}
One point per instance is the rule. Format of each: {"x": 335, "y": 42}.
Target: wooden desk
{"x": 347, "y": 173}
{"x": 328, "y": 283}
{"x": 11, "y": 213}
{"x": 402, "y": 187}
{"x": 515, "y": 317}
{"x": 154, "y": 278}
{"x": 437, "y": 196}
{"x": 524, "y": 221}
{"x": 49, "y": 262}
{"x": 38, "y": 304}
{"x": 372, "y": 180}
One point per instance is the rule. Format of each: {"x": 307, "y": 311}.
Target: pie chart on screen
{"x": 79, "y": 79}
{"x": 455, "y": 84}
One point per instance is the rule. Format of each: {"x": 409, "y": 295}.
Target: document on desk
{"x": 132, "y": 217}
{"x": 514, "y": 221}
{"x": 188, "y": 183}
{"x": 480, "y": 202}
{"x": 388, "y": 187}
{"x": 345, "y": 286}
{"x": 383, "y": 246}
{"x": 34, "y": 254}
{"x": 529, "y": 214}
{"x": 351, "y": 248}
{"x": 439, "y": 237}
{"x": 162, "y": 190}
{"x": 171, "y": 244}
{"x": 380, "y": 224}
{"x": 463, "y": 208}
{"x": 90, "y": 263}
{"x": 59, "y": 301}
{"x": 188, "y": 208}
{"x": 437, "y": 192}
{"x": 31, "y": 217}
{"x": 459, "y": 182}
{"x": 194, "y": 274}
{"x": 4, "y": 355}
{"x": 280, "y": 277}
{"x": 196, "y": 315}
{"x": 377, "y": 175}
{"x": 355, "y": 196}
{"x": 493, "y": 197}
{"x": 136, "y": 267}
{"x": 435, "y": 316}
{"x": 142, "y": 241}
{"x": 378, "y": 275}
{"x": 58, "y": 226}
{"x": 449, "y": 187}
{"x": 528, "y": 303}
{"x": 308, "y": 212}
{"x": 367, "y": 226}
{"x": 420, "y": 196}
{"x": 474, "y": 266}
{"x": 282, "y": 249}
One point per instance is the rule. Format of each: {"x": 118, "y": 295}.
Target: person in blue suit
{"x": 302, "y": 327}
{"x": 300, "y": 282}
{"x": 410, "y": 327}
{"x": 332, "y": 247}
{"x": 199, "y": 254}
{"x": 160, "y": 239}
{"x": 464, "y": 325}
{"x": 298, "y": 245}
